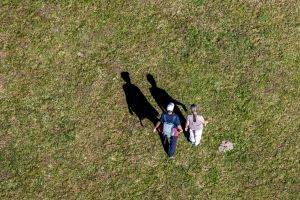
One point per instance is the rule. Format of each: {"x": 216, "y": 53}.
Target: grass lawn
{"x": 65, "y": 128}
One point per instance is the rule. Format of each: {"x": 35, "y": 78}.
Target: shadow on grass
{"x": 137, "y": 102}
{"x": 139, "y": 105}
{"x": 162, "y": 98}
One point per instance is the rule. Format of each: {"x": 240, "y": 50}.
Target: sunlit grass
{"x": 65, "y": 129}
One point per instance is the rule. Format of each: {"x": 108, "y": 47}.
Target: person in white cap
{"x": 170, "y": 122}
{"x": 195, "y": 123}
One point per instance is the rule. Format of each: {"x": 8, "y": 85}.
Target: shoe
{"x": 172, "y": 158}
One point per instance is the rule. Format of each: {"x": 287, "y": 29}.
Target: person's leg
{"x": 198, "y": 135}
{"x": 172, "y": 146}
{"x": 166, "y": 141}
{"x": 192, "y": 137}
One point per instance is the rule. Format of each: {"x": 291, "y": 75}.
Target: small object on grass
{"x": 225, "y": 146}
{"x": 80, "y": 54}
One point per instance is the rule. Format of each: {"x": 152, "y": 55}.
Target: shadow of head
{"x": 151, "y": 80}
{"x": 125, "y": 76}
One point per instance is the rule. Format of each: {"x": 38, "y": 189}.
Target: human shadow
{"x": 162, "y": 98}
{"x": 139, "y": 105}
{"x": 137, "y": 102}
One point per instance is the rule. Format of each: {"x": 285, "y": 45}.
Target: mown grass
{"x": 66, "y": 132}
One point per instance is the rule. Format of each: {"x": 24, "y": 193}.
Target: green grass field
{"x": 65, "y": 128}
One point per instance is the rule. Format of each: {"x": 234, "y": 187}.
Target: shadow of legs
{"x": 164, "y": 142}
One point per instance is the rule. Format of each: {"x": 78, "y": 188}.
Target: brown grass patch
{"x": 46, "y": 11}
{"x": 2, "y": 87}
{"x": 3, "y": 54}
{"x": 5, "y": 140}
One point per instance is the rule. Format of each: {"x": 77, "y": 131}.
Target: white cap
{"x": 170, "y": 107}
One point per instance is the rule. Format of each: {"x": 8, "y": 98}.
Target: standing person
{"x": 195, "y": 122}
{"x": 170, "y": 122}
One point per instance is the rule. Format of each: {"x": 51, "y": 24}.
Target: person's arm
{"x": 180, "y": 128}
{"x": 157, "y": 125}
{"x": 205, "y": 122}
{"x": 161, "y": 120}
{"x": 177, "y": 122}
{"x": 187, "y": 124}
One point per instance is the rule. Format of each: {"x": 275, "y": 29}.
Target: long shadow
{"x": 137, "y": 102}
{"x": 139, "y": 105}
{"x": 162, "y": 98}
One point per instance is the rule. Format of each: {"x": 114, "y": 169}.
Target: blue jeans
{"x": 171, "y": 145}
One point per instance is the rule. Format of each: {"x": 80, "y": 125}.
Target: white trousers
{"x": 195, "y": 136}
